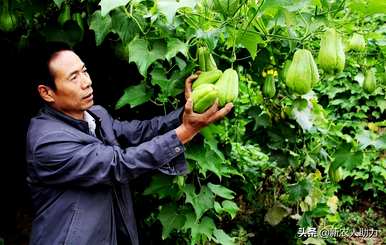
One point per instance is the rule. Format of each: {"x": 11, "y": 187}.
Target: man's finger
{"x": 188, "y": 85}
{"x": 209, "y": 112}
{"x": 189, "y": 106}
{"x": 191, "y": 78}
{"x": 221, "y": 113}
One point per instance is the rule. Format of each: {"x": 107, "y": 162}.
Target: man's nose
{"x": 86, "y": 81}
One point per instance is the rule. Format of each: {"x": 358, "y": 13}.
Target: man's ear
{"x": 46, "y": 93}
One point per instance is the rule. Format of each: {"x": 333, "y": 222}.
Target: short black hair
{"x": 43, "y": 75}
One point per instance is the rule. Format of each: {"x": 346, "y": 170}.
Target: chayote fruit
{"x": 228, "y": 86}
{"x": 331, "y": 56}
{"x": 357, "y": 42}
{"x": 302, "y": 73}
{"x": 370, "y": 82}
{"x": 269, "y": 88}
{"x": 203, "y": 97}
{"x": 205, "y": 59}
{"x": 207, "y": 77}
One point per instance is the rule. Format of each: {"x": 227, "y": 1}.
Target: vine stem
{"x": 130, "y": 15}
{"x": 225, "y": 23}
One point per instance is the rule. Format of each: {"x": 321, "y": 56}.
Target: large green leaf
{"x": 101, "y": 26}
{"x": 71, "y": 33}
{"x": 170, "y": 219}
{"x": 161, "y": 185}
{"x": 299, "y": 190}
{"x": 249, "y": 39}
{"x": 175, "y": 84}
{"x": 272, "y": 7}
{"x": 367, "y": 138}
{"x": 200, "y": 231}
{"x": 58, "y": 2}
{"x": 367, "y": 7}
{"x": 134, "y": 96}
{"x": 209, "y": 159}
{"x": 108, "y": 5}
{"x": 381, "y": 103}
{"x": 124, "y": 26}
{"x": 201, "y": 202}
{"x": 142, "y": 56}
{"x": 222, "y": 238}
{"x": 170, "y": 7}
{"x": 230, "y": 207}
{"x": 221, "y": 191}
{"x": 344, "y": 157}
{"x": 175, "y": 46}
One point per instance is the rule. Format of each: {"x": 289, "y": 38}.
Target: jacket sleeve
{"x": 59, "y": 158}
{"x": 136, "y": 131}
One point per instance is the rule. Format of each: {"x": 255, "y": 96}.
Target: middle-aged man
{"x": 79, "y": 174}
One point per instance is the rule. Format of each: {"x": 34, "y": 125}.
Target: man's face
{"x": 73, "y": 94}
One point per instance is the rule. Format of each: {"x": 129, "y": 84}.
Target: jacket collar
{"x": 78, "y": 124}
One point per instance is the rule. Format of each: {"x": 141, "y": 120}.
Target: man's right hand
{"x": 192, "y": 122}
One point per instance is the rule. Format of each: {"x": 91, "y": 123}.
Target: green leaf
{"x": 70, "y": 34}
{"x": 381, "y": 103}
{"x": 276, "y": 214}
{"x": 200, "y": 231}
{"x": 249, "y": 39}
{"x": 170, "y": 219}
{"x": 207, "y": 159}
{"x": 161, "y": 185}
{"x": 343, "y": 157}
{"x": 201, "y": 202}
{"x": 170, "y": 7}
{"x": 58, "y": 2}
{"x": 142, "y": 56}
{"x": 272, "y": 7}
{"x": 100, "y": 25}
{"x": 108, "y": 5}
{"x": 134, "y": 96}
{"x": 300, "y": 190}
{"x": 221, "y": 191}
{"x": 175, "y": 84}
{"x": 223, "y": 238}
{"x": 175, "y": 46}
{"x": 321, "y": 210}
{"x": 124, "y": 26}
{"x": 367, "y": 138}
{"x": 230, "y": 207}
{"x": 368, "y": 7}
{"x": 210, "y": 36}
{"x": 217, "y": 207}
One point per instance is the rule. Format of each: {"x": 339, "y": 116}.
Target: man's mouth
{"x": 90, "y": 95}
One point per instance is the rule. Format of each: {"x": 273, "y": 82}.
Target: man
{"x": 78, "y": 172}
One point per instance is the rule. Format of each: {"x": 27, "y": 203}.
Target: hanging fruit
{"x": 370, "y": 82}
{"x": 269, "y": 88}
{"x": 205, "y": 59}
{"x": 331, "y": 56}
{"x": 228, "y": 86}
{"x": 302, "y": 73}
{"x": 357, "y": 42}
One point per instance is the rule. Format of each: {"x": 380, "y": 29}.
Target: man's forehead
{"x": 65, "y": 61}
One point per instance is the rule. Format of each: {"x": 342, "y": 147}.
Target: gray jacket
{"x": 80, "y": 183}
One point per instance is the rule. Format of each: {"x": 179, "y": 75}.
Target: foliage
{"x": 280, "y": 161}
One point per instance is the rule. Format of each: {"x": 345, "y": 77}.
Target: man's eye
{"x": 73, "y": 77}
